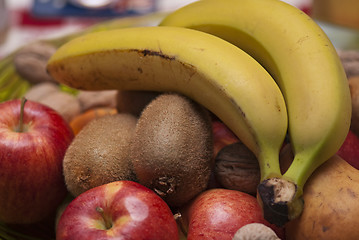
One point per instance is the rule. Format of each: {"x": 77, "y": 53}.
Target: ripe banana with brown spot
{"x": 205, "y": 68}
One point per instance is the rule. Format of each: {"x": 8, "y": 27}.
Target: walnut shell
{"x": 237, "y": 168}
{"x": 94, "y": 99}
{"x": 30, "y": 62}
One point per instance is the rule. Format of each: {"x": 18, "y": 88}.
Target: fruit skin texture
{"x": 99, "y": 154}
{"x": 205, "y": 68}
{"x": 264, "y": 29}
{"x": 132, "y": 211}
{"x": 172, "y": 149}
{"x": 31, "y": 180}
{"x": 218, "y": 214}
{"x": 331, "y": 196}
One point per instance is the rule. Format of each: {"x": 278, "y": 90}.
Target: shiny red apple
{"x": 31, "y": 155}
{"x": 117, "y": 210}
{"x": 219, "y": 213}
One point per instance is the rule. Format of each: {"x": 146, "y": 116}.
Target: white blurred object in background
{"x": 96, "y": 4}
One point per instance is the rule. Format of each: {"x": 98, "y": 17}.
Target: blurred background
{"x": 23, "y": 21}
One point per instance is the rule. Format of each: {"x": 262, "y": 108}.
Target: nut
{"x": 64, "y": 103}
{"x": 94, "y": 99}
{"x": 237, "y": 168}
{"x": 30, "y": 62}
{"x": 255, "y": 231}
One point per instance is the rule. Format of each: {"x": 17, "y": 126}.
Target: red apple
{"x": 31, "y": 180}
{"x": 349, "y": 151}
{"x": 222, "y": 136}
{"x": 219, "y": 213}
{"x": 117, "y": 210}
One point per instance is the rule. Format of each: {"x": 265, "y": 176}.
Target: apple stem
{"x": 179, "y": 219}
{"x": 21, "y": 122}
{"x": 108, "y": 223}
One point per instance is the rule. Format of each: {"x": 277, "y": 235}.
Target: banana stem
{"x": 278, "y": 198}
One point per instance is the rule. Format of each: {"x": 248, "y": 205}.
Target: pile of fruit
{"x": 235, "y": 123}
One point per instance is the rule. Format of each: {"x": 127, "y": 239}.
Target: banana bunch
{"x": 14, "y": 85}
{"x": 205, "y": 68}
{"x": 262, "y": 66}
{"x": 306, "y": 67}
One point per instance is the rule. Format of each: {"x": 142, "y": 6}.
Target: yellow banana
{"x": 205, "y": 68}
{"x": 303, "y": 61}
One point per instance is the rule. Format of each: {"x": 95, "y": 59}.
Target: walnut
{"x": 237, "y": 168}
{"x": 30, "y": 62}
{"x": 93, "y": 99}
{"x": 66, "y": 104}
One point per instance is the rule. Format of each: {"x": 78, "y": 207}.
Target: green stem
{"x": 107, "y": 221}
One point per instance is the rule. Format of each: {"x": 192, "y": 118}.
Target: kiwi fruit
{"x": 172, "y": 149}
{"x": 99, "y": 153}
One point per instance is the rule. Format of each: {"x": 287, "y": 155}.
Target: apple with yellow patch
{"x": 117, "y": 210}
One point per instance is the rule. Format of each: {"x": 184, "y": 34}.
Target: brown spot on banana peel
{"x": 57, "y": 68}
{"x": 154, "y": 53}
{"x": 167, "y": 57}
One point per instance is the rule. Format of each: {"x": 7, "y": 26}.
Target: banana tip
{"x": 278, "y": 200}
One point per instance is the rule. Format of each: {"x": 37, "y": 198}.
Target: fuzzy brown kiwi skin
{"x": 172, "y": 150}
{"x": 99, "y": 153}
